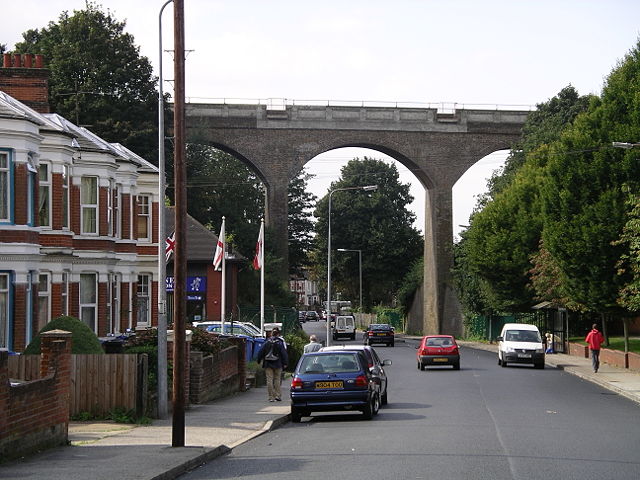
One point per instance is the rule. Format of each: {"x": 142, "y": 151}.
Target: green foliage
{"x": 83, "y": 338}
{"x": 410, "y": 285}
{"x": 295, "y": 347}
{"x": 629, "y": 262}
{"x": 378, "y": 223}
{"x": 300, "y": 226}
{"x": 98, "y": 78}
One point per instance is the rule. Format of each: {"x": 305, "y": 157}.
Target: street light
{"x": 162, "y": 235}
{"x": 366, "y": 188}
{"x": 359, "y": 268}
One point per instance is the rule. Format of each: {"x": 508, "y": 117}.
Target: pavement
{"x": 107, "y": 450}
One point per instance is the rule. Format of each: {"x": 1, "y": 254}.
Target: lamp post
{"x": 359, "y": 268}
{"x": 366, "y": 188}
{"x": 162, "y": 235}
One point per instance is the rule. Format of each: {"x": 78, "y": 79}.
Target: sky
{"x": 468, "y": 52}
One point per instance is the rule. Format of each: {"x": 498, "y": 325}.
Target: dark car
{"x": 379, "y": 333}
{"x": 376, "y": 366}
{"x": 333, "y": 381}
{"x": 311, "y": 316}
{"x": 302, "y": 316}
{"x": 438, "y": 350}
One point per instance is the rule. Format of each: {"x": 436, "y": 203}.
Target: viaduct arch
{"x": 437, "y": 147}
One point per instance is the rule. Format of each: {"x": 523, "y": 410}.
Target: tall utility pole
{"x": 180, "y": 258}
{"x": 163, "y": 410}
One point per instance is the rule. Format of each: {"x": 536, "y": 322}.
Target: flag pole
{"x": 262, "y": 277}
{"x": 223, "y": 306}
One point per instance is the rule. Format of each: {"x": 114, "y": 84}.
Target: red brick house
{"x": 78, "y": 219}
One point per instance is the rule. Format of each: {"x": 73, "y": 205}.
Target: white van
{"x": 520, "y": 343}
{"x": 344, "y": 326}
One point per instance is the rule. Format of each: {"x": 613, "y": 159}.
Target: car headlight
{"x": 509, "y": 349}
{"x": 539, "y": 350}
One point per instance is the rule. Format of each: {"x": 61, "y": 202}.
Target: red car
{"x": 438, "y": 350}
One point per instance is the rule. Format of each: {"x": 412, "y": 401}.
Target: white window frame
{"x": 117, "y": 211}
{"x": 143, "y": 203}
{"x": 5, "y": 309}
{"x": 64, "y": 293}
{"x": 87, "y": 302}
{"x": 44, "y": 194}
{"x": 29, "y": 309}
{"x": 113, "y": 304}
{"x": 143, "y": 299}
{"x": 6, "y": 177}
{"x": 32, "y": 172}
{"x": 88, "y": 206}
{"x": 44, "y": 298}
{"x": 110, "y": 210}
{"x": 66, "y": 178}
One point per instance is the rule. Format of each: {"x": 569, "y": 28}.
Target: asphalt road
{"x": 482, "y": 422}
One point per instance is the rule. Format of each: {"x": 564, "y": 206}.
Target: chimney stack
{"x": 24, "y": 82}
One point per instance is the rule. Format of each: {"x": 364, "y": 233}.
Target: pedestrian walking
{"x": 273, "y": 356}
{"x": 313, "y": 345}
{"x": 595, "y": 339}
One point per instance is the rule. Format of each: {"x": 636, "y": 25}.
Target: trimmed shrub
{"x": 84, "y": 340}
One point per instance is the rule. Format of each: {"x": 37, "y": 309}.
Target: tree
{"x": 300, "y": 226}
{"x": 98, "y": 78}
{"x": 378, "y": 223}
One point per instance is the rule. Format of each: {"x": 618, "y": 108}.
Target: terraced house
{"x": 78, "y": 219}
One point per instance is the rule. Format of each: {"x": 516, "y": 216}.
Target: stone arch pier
{"x": 437, "y": 147}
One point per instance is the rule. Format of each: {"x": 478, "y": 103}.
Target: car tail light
{"x": 296, "y": 382}
{"x": 362, "y": 381}
{"x": 371, "y": 334}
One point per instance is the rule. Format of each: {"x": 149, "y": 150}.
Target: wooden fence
{"x": 99, "y": 383}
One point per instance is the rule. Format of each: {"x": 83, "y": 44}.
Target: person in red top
{"x": 595, "y": 339}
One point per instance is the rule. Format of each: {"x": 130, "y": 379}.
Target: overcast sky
{"x": 489, "y": 52}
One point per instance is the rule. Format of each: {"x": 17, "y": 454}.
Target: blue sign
{"x": 194, "y": 284}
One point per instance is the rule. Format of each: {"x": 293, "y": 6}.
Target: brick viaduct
{"x": 438, "y": 148}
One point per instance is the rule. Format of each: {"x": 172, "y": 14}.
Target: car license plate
{"x": 524, "y": 355}
{"x": 382, "y": 334}
{"x": 444, "y": 360}
{"x": 324, "y": 385}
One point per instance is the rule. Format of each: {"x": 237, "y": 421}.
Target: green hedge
{"x": 84, "y": 340}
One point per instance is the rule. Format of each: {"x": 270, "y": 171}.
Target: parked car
{"x": 438, "y": 350}
{"x": 379, "y": 333}
{"x": 333, "y": 381}
{"x": 230, "y": 328}
{"x": 302, "y": 316}
{"x": 376, "y": 366}
{"x": 311, "y": 316}
{"x": 344, "y": 326}
{"x": 520, "y": 343}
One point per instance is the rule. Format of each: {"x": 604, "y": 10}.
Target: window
{"x": 88, "y": 300}
{"x": 144, "y": 218}
{"x": 44, "y": 195}
{"x": 44, "y": 299}
{"x": 113, "y": 305}
{"x": 117, "y": 212}
{"x": 143, "y": 300}
{"x": 110, "y": 211}
{"x": 32, "y": 171}
{"x": 29, "y": 309}
{"x": 5, "y": 297}
{"x": 64, "y": 293}
{"x": 89, "y": 204}
{"x": 5, "y": 187}
{"x": 65, "y": 196}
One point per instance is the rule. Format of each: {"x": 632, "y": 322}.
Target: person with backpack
{"x": 273, "y": 356}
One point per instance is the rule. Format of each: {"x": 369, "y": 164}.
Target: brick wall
{"x": 35, "y": 414}
{"x": 216, "y": 375}
{"x": 26, "y": 80}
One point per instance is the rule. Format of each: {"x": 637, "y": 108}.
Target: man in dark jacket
{"x": 273, "y": 356}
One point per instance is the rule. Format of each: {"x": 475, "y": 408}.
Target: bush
{"x": 84, "y": 340}
{"x": 295, "y": 347}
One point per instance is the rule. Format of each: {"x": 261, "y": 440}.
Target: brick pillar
{"x": 55, "y": 360}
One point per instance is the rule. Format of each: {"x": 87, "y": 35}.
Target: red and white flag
{"x": 258, "y": 259}
{"x": 218, "y": 256}
{"x": 170, "y": 245}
